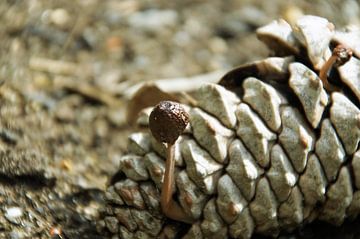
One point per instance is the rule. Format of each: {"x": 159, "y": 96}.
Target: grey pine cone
{"x": 267, "y": 149}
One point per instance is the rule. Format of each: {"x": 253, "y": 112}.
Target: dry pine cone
{"x": 274, "y": 145}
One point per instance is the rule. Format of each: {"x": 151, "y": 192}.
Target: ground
{"x": 65, "y": 68}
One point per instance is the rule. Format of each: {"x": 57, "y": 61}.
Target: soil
{"x": 65, "y": 67}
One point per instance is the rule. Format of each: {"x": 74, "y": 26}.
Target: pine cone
{"x": 274, "y": 145}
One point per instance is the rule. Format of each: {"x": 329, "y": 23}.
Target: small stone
{"x": 218, "y": 45}
{"x": 15, "y": 234}
{"x": 210, "y": 134}
{"x": 252, "y": 15}
{"x": 153, "y": 20}
{"x": 60, "y": 17}
{"x": 14, "y": 214}
{"x": 219, "y": 102}
{"x": 309, "y": 89}
{"x": 292, "y": 13}
{"x": 255, "y": 135}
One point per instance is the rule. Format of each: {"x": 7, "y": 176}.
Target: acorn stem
{"x": 169, "y": 207}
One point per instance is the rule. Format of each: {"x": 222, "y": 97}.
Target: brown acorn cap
{"x": 167, "y": 121}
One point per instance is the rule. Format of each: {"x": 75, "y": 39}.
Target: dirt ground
{"x": 65, "y": 68}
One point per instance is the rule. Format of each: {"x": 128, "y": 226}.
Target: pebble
{"x": 60, "y": 17}
{"x": 218, "y": 45}
{"x": 13, "y": 214}
{"x": 16, "y": 235}
{"x": 153, "y": 19}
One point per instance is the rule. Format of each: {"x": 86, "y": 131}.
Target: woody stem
{"x": 169, "y": 207}
{"x": 324, "y": 72}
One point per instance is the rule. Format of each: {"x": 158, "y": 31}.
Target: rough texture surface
{"x": 291, "y": 156}
{"x": 167, "y": 121}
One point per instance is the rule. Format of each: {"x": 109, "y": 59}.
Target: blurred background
{"x": 66, "y": 68}
{"x": 114, "y": 42}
